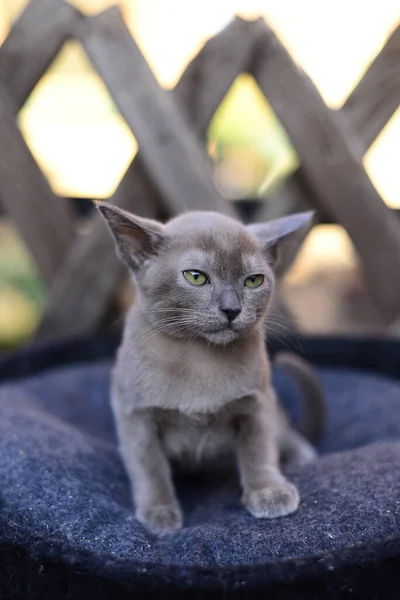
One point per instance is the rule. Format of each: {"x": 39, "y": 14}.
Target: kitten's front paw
{"x": 277, "y": 500}
{"x": 162, "y": 518}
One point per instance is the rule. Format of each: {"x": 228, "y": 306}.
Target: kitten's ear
{"x": 136, "y": 239}
{"x": 276, "y": 236}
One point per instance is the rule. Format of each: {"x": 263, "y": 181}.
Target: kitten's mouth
{"x": 227, "y": 327}
{"x": 226, "y": 331}
{"x": 221, "y": 336}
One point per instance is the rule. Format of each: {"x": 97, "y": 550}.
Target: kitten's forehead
{"x": 211, "y": 240}
{"x": 211, "y": 232}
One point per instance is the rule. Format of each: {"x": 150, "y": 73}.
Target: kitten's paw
{"x": 162, "y": 518}
{"x": 277, "y": 500}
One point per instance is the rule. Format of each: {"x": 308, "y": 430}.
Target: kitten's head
{"x": 202, "y": 274}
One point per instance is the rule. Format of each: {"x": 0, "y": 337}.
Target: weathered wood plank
{"x": 170, "y": 149}
{"x": 367, "y": 110}
{"x": 43, "y": 219}
{"x": 330, "y": 163}
{"x": 80, "y": 293}
{"x": 33, "y": 42}
{"x": 377, "y": 95}
{"x": 199, "y": 92}
{"x": 210, "y": 74}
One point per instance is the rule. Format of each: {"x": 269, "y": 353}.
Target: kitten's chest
{"x": 196, "y": 438}
{"x": 196, "y": 380}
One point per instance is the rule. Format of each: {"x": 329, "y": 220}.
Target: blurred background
{"x": 84, "y": 147}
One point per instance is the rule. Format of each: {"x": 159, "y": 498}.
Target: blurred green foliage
{"x": 248, "y": 142}
{"x": 22, "y": 293}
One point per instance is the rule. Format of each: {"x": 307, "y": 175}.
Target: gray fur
{"x": 188, "y": 385}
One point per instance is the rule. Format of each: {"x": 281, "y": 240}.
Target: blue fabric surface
{"x": 63, "y": 483}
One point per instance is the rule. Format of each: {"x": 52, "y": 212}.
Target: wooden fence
{"x": 171, "y": 171}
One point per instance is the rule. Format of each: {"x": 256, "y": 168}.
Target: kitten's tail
{"x": 312, "y": 419}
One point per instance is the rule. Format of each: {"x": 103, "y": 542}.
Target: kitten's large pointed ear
{"x": 278, "y": 235}
{"x": 136, "y": 239}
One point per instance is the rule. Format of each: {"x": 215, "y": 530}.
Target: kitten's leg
{"x": 266, "y": 492}
{"x": 294, "y": 449}
{"x": 149, "y": 472}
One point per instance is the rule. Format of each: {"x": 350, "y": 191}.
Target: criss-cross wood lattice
{"x": 171, "y": 172}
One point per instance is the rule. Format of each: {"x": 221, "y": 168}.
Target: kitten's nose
{"x": 229, "y": 304}
{"x": 231, "y": 313}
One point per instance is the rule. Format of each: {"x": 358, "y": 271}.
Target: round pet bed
{"x": 67, "y": 527}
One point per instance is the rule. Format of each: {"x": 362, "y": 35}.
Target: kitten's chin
{"x": 223, "y": 337}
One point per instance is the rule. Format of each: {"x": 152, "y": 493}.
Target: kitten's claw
{"x": 277, "y": 500}
{"x": 162, "y": 518}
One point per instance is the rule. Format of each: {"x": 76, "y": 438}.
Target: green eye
{"x": 254, "y": 281}
{"x": 195, "y": 277}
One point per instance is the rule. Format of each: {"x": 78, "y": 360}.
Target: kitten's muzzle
{"x": 229, "y": 304}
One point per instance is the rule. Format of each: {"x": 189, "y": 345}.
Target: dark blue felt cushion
{"x": 63, "y": 483}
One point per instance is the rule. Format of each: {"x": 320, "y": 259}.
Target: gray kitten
{"x": 192, "y": 379}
